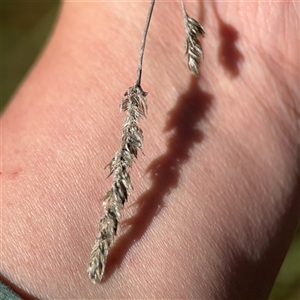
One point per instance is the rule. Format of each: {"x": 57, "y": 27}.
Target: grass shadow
{"x": 183, "y": 122}
{"x": 230, "y": 57}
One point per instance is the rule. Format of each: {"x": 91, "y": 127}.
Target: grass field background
{"x": 25, "y": 27}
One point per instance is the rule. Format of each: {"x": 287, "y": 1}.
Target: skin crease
{"x": 216, "y": 199}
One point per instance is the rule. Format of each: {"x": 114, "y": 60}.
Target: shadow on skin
{"x": 230, "y": 57}
{"x": 184, "y": 122}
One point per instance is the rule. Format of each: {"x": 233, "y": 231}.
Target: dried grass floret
{"x": 193, "y": 48}
{"x": 135, "y": 103}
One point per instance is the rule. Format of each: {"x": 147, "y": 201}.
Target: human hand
{"x": 215, "y": 213}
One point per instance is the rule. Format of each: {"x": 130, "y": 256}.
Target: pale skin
{"x": 216, "y": 198}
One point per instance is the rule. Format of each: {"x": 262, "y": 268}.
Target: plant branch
{"x": 134, "y": 102}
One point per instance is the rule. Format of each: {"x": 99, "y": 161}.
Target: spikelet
{"x": 135, "y": 103}
{"x": 193, "y": 48}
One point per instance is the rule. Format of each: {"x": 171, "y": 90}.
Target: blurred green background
{"x": 25, "y": 27}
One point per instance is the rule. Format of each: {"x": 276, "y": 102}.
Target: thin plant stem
{"x": 140, "y": 65}
{"x": 183, "y": 9}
